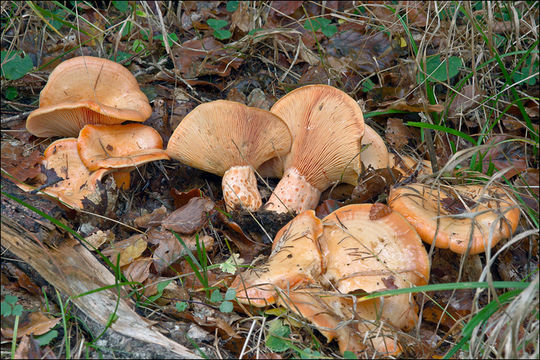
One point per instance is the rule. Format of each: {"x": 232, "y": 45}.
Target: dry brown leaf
{"x": 170, "y": 249}
{"x": 469, "y": 98}
{"x": 257, "y": 98}
{"x": 397, "y": 134}
{"x": 28, "y": 349}
{"x": 284, "y": 7}
{"x": 18, "y": 165}
{"x": 129, "y": 249}
{"x": 205, "y": 56}
{"x": 35, "y": 323}
{"x": 243, "y": 17}
{"x": 416, "y": 12}
{"x": 373, "y": 182}
{"x": 191, "y": 217}
{"x": 327, "y": 207}
{"x": 138, "y": 270}
{"x": 182, "y": 198}
{"x": 151, "y": 219}
{"x": 403, "y": 105}
{"x": 99, "y": 238}
{"x": 504, "y": 155}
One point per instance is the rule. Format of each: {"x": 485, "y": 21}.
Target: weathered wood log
{"x": 73, "y": 270}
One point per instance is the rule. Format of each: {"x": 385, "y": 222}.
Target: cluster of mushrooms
{"x": 312, "y": 138}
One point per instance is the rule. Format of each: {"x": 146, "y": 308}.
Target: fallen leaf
{"x": 281, "y": 8}
{"x": 129, "y": 249}
{"x": 327, "y": 207}
{"x": 191, "y": 217}
{"x": 99, "y": 238}
{"x": 504, "y": 155}
{"x": 138, "y": 270}
{"x": 373, "y": 182}
{"x": 526, "y": 184}
{"x": 467, "y": 99}
{"x": 151, "y": 219}
{"x": 19, "y": 166}
{"x": 35, "y": 323}
{"x": 28, "y": 348}
{"x": 397, "y": 134}
{"x": 257, "y": 98}
{"x": 205, "y": 56}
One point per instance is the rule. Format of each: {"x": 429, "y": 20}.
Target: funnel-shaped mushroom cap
{"x": 457, "y": 217}
{"x": 374, "y": 151}
{"x": 219, "y": 135}
{"x": 371, "y": 247}
{"x": 87, "y": 90}
{"x": 119, "y": 146}
{"x": 329, "y": 311}
{"x": 327, "y": 126}
{"x": 62, "y": 157}
{"x": 295, "y": 260}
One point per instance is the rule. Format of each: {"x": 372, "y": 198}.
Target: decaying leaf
{"x": 373, "y": 182}
{"x": 35, "y": 323}
{"x": 99, "y": 238}
{"x": 170, "y": 249}
{"x": 205, "y": 56}
{"x": 19, "y": 166}
{"x": 191, "y": 217}
{"x": 129, "y": 249}
{"x": 397, "y": 134}
{"x": 468, "y": 98}
{"x": 28, "y": 349}
{"x": 138, "y": 270}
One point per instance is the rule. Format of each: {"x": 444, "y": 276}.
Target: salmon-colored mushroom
{"x": 230, "y": 139}
{"x": 326, "y": 126}
{"x": 87, "y": 90}
{"x": 295, "y": 261}
{"x": 462, "y": 218}
{"x": 370, "y": 247}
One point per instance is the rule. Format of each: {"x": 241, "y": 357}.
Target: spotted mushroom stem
{"x": 239, "y": 186}
{"x": 293, "y": 192}
{"x": 122, "y": 179}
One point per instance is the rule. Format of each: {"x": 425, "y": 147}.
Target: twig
{"x": 13, "y": 118}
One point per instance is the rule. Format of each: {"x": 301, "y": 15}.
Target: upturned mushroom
{"x": 77, "y": 182}
{"x": 374, "y": 151}
{"x": 230, "y": 139}
{"x": 121, "y": 147}
{"x": 369, "y": 247}
{"x": 87, "y": 90}
{"x": 296, "y": 260}
{"x": 462, "y": 218}
{"x": 326, "y": 126}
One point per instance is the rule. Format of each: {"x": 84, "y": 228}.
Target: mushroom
{"x": 119, "y": 147}
{"x": 462, "y": 218}
{"x": 230, "y": 139}
{"x": 77, "y": 181}
{"x": 369, "y": 247}
{"x": 374, "y": 151}
{"x": 326, "y": 126}
{"x": 87, "y": 90}
{"x": 354, "y": 324}
{"x": 295, "y": 261}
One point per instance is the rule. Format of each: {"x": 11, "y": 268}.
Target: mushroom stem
{"x": 293, "y": 192}
{"x": 239, "y": 186}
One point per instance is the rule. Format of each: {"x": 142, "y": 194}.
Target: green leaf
{"x": 222, "y": 34}
{"x": 252, "y": 32}
{"x": 46, "y": 338}
{"x": 526, "y": 71}
{"x": 181, "y": 306}
{"x": 309, "y": 354}
{"x": 121, "y": 56}
{"x": 160, "y": 287}
{"x": 170, "y": 37}
{"x": 144, "y": 34}
{"x": 127, "y": 29}
{"x": 14, "y": 65}
{"x": 436, "y": 70}
{"x": 122, "y": 6}
{"x": 226, "y": 307}
{"x": 232, "y": 6}
{"x": 367, "y": 85}
{"x": 321, "y": 23}
{"x": 230, "y": 294}
{"x": 277, "y": 340}
{"x": 17, "y": 310}
{"x": 349, "y": 355}
{"x": 138, "y": 45}
{"x": 10, "y": 299}
{"x": 312, "y": 24}
{"x": 216, "y": 24}
{"x": 6, "y": 309}
{"x": 329, "y": 30}
{"x": 216, "y": 296}
{"x": 229, "y": 266}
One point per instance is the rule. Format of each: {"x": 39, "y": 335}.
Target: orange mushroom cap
{"x": 374, "y": 151}
{"x": 457, "y": 217}
{"x": 295, "y": 260}
{"x": 87, "y": 90}
{"x": 327, "y": 126}
{"x": 78, "y": 182}
{"x": 119, "y": 146}
{"x": 371, "y": 247}
{"x": 230, "y": 139}
{"x": 330, "y": 312}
